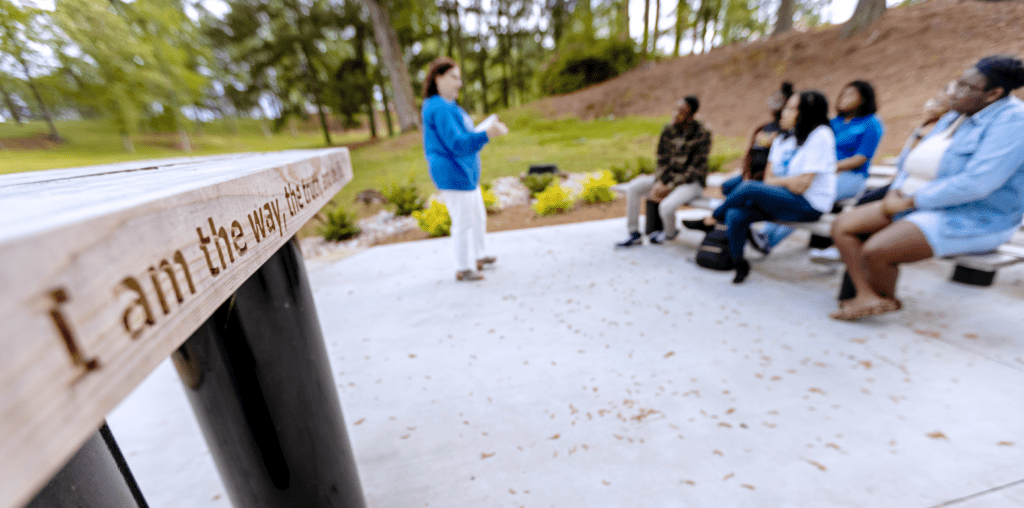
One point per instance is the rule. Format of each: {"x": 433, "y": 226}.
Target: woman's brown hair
{"x": 439, "y": 66}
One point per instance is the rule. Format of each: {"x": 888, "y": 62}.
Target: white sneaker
{"x": 825, "y": 256}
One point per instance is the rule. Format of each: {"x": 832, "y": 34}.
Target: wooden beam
{"x": 107, "y": 270}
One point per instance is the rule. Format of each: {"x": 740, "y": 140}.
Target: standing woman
{"x": 808, "y": 189}
{"x": 453, "y": 154}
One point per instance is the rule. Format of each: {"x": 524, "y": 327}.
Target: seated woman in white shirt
{"x": 799, "y": 183}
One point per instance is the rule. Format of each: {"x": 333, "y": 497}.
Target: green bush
{"x": 435, "y": 219}
{"x": 716, "y": 161}
{"x": 490, "y": 201}
{"x": 340, "y": 225}
{"x": 596, "y": 189}
{"x": 554, "y": 199}
{"x": 579, "y": 64}
{"x": 622, "y": 173}
{"x": 537, "y": 182}
{"x": 645, "y": 165}
{"x": 405, "y": 199}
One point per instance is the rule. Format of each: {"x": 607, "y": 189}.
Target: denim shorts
{"x": 931, "y": 222}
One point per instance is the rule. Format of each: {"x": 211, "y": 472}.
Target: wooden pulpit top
{"x": 106, "y": 270}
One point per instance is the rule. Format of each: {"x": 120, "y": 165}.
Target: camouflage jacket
{"x": 683, "y": 154}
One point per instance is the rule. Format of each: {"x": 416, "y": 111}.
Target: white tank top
{"x": 922, "y": 162}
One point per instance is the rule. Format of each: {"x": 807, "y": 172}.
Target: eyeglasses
{"x": 962, "y": 86}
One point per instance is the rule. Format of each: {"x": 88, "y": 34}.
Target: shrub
{"x": 404, "y": 198}
{"x": 621, "y": 173}
{"x": 596, "y": 189}
{"x": 717, "y": 160}
{"x": 340, "y": 225}
{"x": 490, "y": 201}
{"x": 554, "y": 199}
{"x": 645, "y": 165}
{"x": 434, "y": 219}
{"x": 579, "y": 64}
{"x": 537, "y": 182}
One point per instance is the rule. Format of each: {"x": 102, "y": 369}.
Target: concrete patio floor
{"x": 579, "y": 375}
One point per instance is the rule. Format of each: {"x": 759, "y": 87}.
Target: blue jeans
{"x": 848, "y": 185}
{"x": 730, "y": 185}
{"x": 753, "y": 201}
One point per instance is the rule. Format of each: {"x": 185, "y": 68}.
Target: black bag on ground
{"x": 713, "y": 252}
{"x": 653, "y": 218}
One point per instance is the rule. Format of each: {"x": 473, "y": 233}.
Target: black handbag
{"x": 653, "y": 218}
{"x": 713, "y": 252}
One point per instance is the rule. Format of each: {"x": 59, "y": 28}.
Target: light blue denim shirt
{"x": 980, "y": 181}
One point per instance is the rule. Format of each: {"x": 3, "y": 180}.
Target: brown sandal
{"x": 847, "y": 314}
{"x": 489, "y": 260}
{"x": 468, "y": 275}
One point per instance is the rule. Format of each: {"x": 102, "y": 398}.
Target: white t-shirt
{"x": 922, "y": 163}
{"x": 816, "y": 155}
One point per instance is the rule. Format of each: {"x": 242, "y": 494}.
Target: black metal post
{"x": 258, "y": 378}
{"x": 97, "y": 476}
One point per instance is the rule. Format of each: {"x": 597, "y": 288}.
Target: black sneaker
{"x": 742, "y": 270}
{"x": 634, "y": 239}
{"x": 698, "y": 224}
{"x": 656, "y": 237}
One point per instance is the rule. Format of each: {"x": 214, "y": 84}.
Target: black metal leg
{"x": 96, "y": 477}
{"x": 258, "y": 378}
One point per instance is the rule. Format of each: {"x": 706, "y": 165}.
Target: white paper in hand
{"x": 486, "y": 124}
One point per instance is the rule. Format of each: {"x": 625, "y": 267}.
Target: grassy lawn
{"x": 573, "y": 145}
{"x": 95, "y": 142}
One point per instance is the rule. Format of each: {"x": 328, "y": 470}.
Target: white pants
{"x": 639, "y": 187}
{"x": 469, "y": 223}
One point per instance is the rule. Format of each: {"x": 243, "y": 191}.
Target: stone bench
{"x": 109, "y": 270}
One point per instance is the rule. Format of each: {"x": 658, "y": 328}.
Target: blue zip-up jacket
{"x": 980, "y": 181}
{"x": 451, "y": 146}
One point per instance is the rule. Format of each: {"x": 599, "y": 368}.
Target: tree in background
{"x": 109, "y": 67}
{"x": 866, "y": 13}
{"x": 21, "y": 30}
{"x": 784, "y": 17}
{"x": 391, "y": 52}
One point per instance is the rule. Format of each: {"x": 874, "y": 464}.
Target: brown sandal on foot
{"x": 847, "y": 314}
{"x": 489, "y": 260}
{"x": 468, "y": 275}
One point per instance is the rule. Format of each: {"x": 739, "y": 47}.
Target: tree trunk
{"x": 54, "y": 136}
{"x": 784, "y": 17}
{"x": 265, "y": 127}
{"x": 624, "y": 19}
{"x": 866, "y": 13}
{"x": 13, "y": 108}
{"x": 680, "y": 25}
{"x": 585, "y": 14}
{"x": 647, "y": 18}
{"x": 401, "y": 85}
{"x": 657, "y": 20}
{"x": 696, "y": 33}
{"x": 482, "y": 64}
{"x": 126, "y": 143}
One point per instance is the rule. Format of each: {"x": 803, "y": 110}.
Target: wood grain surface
{"x": 106, "y": 270}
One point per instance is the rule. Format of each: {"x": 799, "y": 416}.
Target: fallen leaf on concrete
{"x": 730, "y": 475}
{"x": 606, "y": 482}
{"x": 670, "y": 353}
{"x": 689, "y": 482}
{"x": 1006, "y": 443}
{"x": 928, "y": 333}
{"x": 971, "y": 335}
{"x": 718, "y": 452}
{"x": 816, "y": 464}
{"x": 747, "y": 486}
{"x": 412, "y": 355}
{"x": 937, "y": 435}
{"x": 817, "y": 390}
{"x": 406, "y": 436}
{"x": 556, "y": 436}
{"x": 360, "y": 421}
{"x": 487, "y": 455}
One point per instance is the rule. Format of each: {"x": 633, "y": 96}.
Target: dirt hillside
{"x": 907, "y": 55}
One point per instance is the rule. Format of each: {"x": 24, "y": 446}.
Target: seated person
{"x": 973, "y": 203}
{"x": 807, "y": 158}
{"x": 680, "y": 177}
{"x": 858, "y": 132}
{"x": 756, "y": 160}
